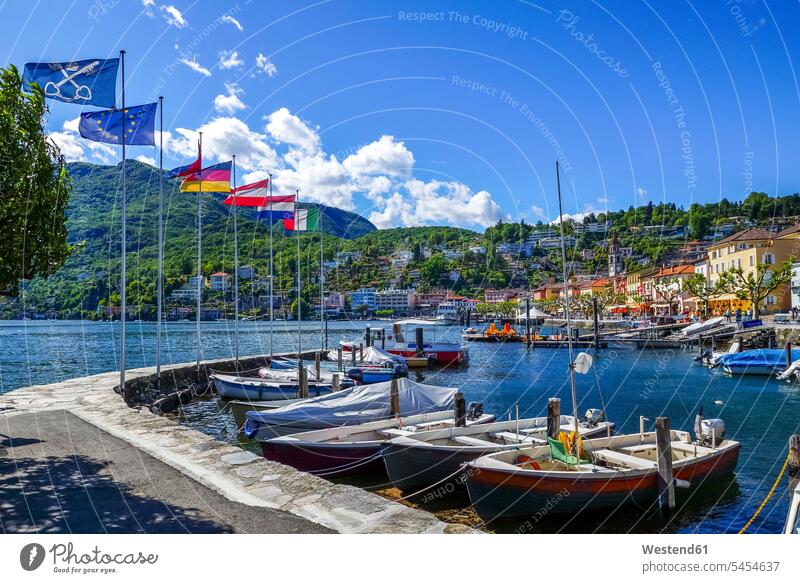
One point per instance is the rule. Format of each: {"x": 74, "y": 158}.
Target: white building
{"x": 399, "y": 300}
{"x": 220, "y": 281}
{"x": 186, "y": 293}
{"x": 554, "y": 242}
{"x": 364, "y": 296}
{"x": 796, "y": 284}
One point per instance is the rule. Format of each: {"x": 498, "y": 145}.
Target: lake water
{"x": 761, "y": 413}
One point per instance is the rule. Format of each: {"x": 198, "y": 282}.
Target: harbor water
{"x": 627, "y": 383}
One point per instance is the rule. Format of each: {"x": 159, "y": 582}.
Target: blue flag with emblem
{"x": 89, "y": 82}
{"x": 138, "y": 122}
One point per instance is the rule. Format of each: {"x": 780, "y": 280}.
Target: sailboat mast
{"x": 566, "y": 312}
{"x": 235, "y": 269}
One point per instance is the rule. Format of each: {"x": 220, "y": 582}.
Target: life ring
{"x": 522, "y": 460}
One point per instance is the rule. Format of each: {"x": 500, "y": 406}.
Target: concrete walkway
{"x": 59, "y": 474}
{"x": 238, "y": 476}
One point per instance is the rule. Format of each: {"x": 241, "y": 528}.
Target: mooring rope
{"x": 769, "y": 495}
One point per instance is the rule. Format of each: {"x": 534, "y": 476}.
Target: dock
{"x": 84, "y": 423}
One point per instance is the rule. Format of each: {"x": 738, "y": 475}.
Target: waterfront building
{"x": 400, "y": 301}
{"x": 364, "y": 296}
{"x": 746, "y": 250}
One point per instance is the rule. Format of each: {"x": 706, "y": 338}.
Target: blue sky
{"x": 450, "y": 112}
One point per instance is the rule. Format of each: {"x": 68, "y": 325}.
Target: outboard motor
{"x": 713, "y": 431}
{"x": 594, "y": 416}
{"x": 474, "y": 410}
{"x": 400, "y": 371}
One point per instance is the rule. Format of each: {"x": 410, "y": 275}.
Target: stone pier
{"x": 272, "y": 492}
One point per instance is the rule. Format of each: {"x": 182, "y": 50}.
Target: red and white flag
{"x": 253, "y": 195}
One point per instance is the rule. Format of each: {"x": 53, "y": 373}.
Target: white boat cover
{"x": 698, "y": 327}
{"x": 372, "y": 355}
{"x": 359, "y": 404}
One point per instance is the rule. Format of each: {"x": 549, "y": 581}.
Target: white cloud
{"x": 146, "y": 159}
{"x": 229, "y": 102}
{"x": 231, "y": 20}
{"x": 290, "y": 129}
{"x": 641, "y": 192}
{"x": 381, "y": 171}
{"x": 539, "y": 213}
{"x": 173, "y": 16}
{"x": 264, "y": 65}
{"x": 71, "y": 125}
{"x": 70, "y": 145}
{"x": 437, "y": 203}
{"x": 147, "y": 7}
{"x": 384, "y": 156}
{"x": 195, "y": 66}
{"x": 222, "y": 138}
{"x": 230, "y": 59}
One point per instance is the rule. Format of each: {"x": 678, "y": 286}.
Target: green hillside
{"x": 91, "y": 275}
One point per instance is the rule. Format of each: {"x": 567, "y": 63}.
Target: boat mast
{"x": 566, "y": 312}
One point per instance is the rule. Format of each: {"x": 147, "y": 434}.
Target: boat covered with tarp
{"x": 759, "y": 361}
{"x": 360, "y": 404}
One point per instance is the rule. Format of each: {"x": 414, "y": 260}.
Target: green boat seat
{"x": 559, "y": 453}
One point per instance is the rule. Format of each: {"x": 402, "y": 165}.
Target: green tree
{"x": 433, "y": 269}
{"x": 34, "y": 188}
{"x": 756, "y": 285}
{"x": 697, "y": 285}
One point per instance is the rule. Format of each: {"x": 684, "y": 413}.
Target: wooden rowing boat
{"x": 341, "y": 451}
{"x": 613, "y": 471}
{"x": 419, "y": 460}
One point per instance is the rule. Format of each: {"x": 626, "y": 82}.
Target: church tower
{"x": 615, "y": 263}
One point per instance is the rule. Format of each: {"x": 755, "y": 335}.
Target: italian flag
{"x": 303, "y": 220}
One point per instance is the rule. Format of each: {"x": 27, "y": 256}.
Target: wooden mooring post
{"x": 383, "y": 338}
{"x": 353, "y": 355}
{"x": 302, "y": 380}
{"x": 788, "y": 354}
{"x": 666, "y": 483}
{"x": 339, "y": 360}
{"x": 394, "y": 397}
{"x": 368, "y": 336}
{"x": 361, "y": 352}
{"x": 460, "y": 406}
{"x": 553, "y": 417}
{"x": 527, "y": 321}
{"x": 420, "y": 341}
{"x": 317, "y": 363}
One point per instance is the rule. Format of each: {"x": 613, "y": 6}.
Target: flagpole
{"x": 235, "y": 268}
{"x": 160, "y": 285}
{"x": 199, "y": 255}
{"x": 271, "y": 287}
{"x": 299, "y": 281}
{"x": 123, "y": 276}
{"x": 321, "y": 285}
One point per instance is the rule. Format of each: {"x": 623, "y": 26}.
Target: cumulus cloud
{"x": 195, "y": 66}
{"x": 289, "y": 129}
{"x": 173, "y": 16}
{"x": 264, "y": 65}
{"x": 70, "y": 146}
{"x": 229, "y": 102}
{"x": 641, "y": 192}
{"x": 146, "y": 159}
{"x": 437, "y": 202}
{"x": 384, "y": 156}
{"x": 381, "y": 171}
{"x": 222, "y": 138}
{"x": 230, "y": 59}
{"x": 231, "y": 20}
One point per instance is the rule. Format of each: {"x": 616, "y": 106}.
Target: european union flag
{"x": 138, "y": 123}
{"x": 89, "y": 82}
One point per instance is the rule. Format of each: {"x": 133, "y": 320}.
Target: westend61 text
{"x": 675, "y": 550}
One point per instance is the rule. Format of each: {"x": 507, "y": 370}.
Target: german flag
{"x": 215, "y": 178}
